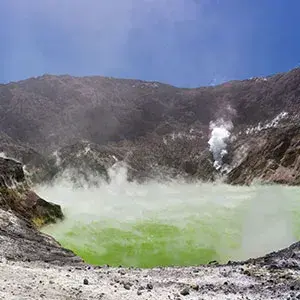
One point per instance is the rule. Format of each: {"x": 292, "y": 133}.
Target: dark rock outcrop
{"x": 37, "y": 167}
{"x": 271, "y": 156}
{"x": 21, "y": 213}
{"x": 20, "y": 240}
{"x": 15, "y": 195}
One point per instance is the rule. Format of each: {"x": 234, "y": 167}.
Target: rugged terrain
{"x": 34, "y": 266}
{"x": 50, "y": 112}
{"x": 37, "y": 280}
{"x": 84, "y": 127}
{"x": 57, "y": 123}
{"x": 22, "y": 212}
{"x": 270, "y": 155}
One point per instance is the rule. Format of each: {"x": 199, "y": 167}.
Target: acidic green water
{"x": 165, "y": 224}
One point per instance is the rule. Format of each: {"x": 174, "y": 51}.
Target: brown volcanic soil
{"x": 157, "y": 129}
{"x": 50, "y": 112}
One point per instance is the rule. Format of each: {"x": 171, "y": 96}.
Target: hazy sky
{"x": 181, "y": 42}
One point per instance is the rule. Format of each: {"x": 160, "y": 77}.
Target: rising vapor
{"x": 220, "y": 133}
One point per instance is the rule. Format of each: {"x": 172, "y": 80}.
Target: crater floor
{"x": 36, "y": 280}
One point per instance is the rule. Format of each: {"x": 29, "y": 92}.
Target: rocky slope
{"x": 21, "y": 213}
{"x": 262, "y": 154}
{"x": 271, "y": 156}
{"x": 156, "y": 129}
{"x": 50, "y": 112}
{"x": 158, "y": 158}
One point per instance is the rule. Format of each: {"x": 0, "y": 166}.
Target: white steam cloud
{"x": 268, "y": 222}
{"x": 3, "y": 155}
{"x": 213, "y": 217}
{"x": 220, "y": 133}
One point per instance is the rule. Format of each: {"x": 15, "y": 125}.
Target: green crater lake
{"x": 173, "y": 223}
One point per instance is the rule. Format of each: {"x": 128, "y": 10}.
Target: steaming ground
{"x": 173, "y": 223}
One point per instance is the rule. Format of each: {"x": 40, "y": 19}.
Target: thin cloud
{"x": 148, "y": 39}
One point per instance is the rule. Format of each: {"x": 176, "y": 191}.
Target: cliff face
{"x": 16, "y": 196}
{"x": 21, "y": 213}
{"x": 272, "y": 155}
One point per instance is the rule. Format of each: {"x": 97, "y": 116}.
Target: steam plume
{"x": 220, "y": 132}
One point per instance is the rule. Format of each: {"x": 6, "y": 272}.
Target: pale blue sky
{"x": 182, "y": 42}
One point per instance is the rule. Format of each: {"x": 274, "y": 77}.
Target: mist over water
{"x": 172, "y": 222}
